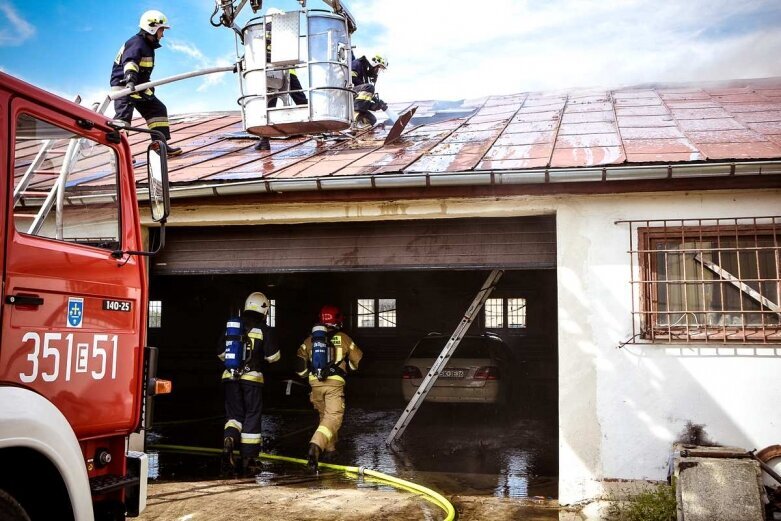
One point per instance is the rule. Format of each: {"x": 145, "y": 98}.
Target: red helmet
{"x": 331, "y": 316}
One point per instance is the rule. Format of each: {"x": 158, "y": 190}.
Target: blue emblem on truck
{"x": 75, "y": 311}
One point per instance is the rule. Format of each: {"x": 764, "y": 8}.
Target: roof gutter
{"x": 481, "y": 178}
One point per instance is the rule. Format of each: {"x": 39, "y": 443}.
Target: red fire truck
{"x": 75, "y": 374}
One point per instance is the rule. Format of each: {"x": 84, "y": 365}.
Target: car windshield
{"x": 474, "y": 347}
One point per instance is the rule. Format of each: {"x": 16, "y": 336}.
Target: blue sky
{"x": 437, "y": 49}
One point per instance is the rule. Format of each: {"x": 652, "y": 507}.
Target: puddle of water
{"x": 452, "y": 449}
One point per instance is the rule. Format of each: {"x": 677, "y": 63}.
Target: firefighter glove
{"x": 131, "y": 78}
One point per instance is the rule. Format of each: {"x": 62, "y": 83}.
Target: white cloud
{"x": 440, "y": 49}
{"x": 201, "y": 61}
{"x": 18, "y": 29}
{"x": 186, "y": 48}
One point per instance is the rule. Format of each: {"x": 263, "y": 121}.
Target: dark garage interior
{"x": 507, "y": 449}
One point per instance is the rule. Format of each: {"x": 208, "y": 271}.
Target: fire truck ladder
{"x": 441, "y": 361}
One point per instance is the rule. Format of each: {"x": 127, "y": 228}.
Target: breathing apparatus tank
{"x": 321, "y": 353}
{"x": 234, "y": 344}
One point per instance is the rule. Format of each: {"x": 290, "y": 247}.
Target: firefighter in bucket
{"x": 326, "y": 356}
{"x": 247, "y": 344}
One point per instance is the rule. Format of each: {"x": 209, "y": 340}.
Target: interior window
{"x": 377, "y": 312}
{"x": 65, "y": 186}
{"x": 500, "y": 313}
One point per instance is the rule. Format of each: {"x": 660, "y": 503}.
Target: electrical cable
{"x": 431, "y": 495}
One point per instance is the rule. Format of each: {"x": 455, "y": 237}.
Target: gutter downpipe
{"x": 481, "y": 178}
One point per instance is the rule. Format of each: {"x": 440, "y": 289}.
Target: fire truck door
{"x": 71, "y": 317}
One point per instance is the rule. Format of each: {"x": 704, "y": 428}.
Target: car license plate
{"x": 453, "y": 373}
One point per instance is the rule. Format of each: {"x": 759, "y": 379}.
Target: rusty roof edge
{"x": 480, "y": 177}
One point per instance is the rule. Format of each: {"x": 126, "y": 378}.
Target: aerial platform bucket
{"x": 320, "y": 59}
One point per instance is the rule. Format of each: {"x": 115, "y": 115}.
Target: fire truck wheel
{"x": 10, "y": 509}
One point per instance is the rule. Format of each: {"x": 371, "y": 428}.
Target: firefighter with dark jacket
{"x": 326, "y": 357}
{"x": 364, "y": 77}
{"x": 247, "y": 344}
{"x": 133, "y": 66}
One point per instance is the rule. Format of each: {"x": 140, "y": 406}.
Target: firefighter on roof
{"x": 364, "y": 77}
{"x": 133, "y": 66}
{"x": 247, "y": 344}
{"x": 326, "y": 356}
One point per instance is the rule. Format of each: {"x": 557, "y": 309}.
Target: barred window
{"x": 387, "y": 312}
{"x": 494, "y": 313}
{"x": 366, "y": 312}
{"x": 709, "y": 280}
{"x": 271, "y": 318}
{"x": 516, "y": 312}
{"x": 501, "y": 311}
{"x": 155, "y": 313}
{"x": 377, "y": 312}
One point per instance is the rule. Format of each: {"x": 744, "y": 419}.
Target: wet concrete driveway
{"x": 490, "y": 464}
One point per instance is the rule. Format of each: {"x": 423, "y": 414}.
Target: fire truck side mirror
{"x": 157, "y": 174}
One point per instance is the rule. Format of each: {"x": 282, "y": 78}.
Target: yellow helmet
{"x": 153, "y": 20}
{"x": 379, "y": 60}
{"x": 257, "y": 302}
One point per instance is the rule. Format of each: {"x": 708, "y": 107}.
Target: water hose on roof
{"x": 434, "y": 497}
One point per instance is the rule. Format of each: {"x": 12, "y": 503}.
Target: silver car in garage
{"x": 472, "y": 375}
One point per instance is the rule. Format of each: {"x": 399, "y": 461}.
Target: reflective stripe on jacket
{"x": 135, "y": 58}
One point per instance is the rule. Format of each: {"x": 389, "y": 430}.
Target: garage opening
{"x": 399, "y": 284}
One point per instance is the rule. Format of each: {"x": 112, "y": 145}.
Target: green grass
{"x": 655, "y": 505}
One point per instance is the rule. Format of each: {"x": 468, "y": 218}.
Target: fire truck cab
{"x": 74, "y": 367}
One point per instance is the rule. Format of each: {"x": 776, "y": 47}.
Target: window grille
{"x": 494, "y": 313}
{"x": 387, "y": 312}
{"x": 155, "y": 313}
{"x": 709, "y": 280}
{"x": 516, "y": 312}
{"x": 271, "y": 318}
{"x": 377, "y": 312}
{"x": 501, "y": 311}
{"x": 365, "y": 312}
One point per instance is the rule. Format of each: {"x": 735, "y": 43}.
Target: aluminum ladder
{"x": 441, "y": 361}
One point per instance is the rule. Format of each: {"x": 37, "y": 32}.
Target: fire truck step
{"x": 110, "y": 482}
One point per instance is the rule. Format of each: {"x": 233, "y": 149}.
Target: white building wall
{"x": 619, "y": 409}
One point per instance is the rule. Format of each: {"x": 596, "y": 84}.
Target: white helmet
{"x": 273, "y": 10}
{"x": 257, "y": 302}
{"x": 153, "y": 20}
{"x": 378, "y": 59}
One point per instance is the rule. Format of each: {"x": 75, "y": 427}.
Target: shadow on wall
{"x": 621, "y": 409}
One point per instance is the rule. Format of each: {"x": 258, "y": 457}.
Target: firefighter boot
{"x": 174, "y": 151}
{"x": 249, "y": 466}
{"x": 228, "y": 460}
{"x": 313, "y": 456}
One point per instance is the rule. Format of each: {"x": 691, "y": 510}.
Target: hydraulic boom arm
{"x": 230, "y": 11}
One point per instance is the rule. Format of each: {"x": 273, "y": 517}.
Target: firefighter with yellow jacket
{"x": 326, "y": 356}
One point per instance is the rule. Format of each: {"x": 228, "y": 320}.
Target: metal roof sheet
{"x": 631, "y": 126}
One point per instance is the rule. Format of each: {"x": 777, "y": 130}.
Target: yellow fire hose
{"x": 436, "y": 498}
